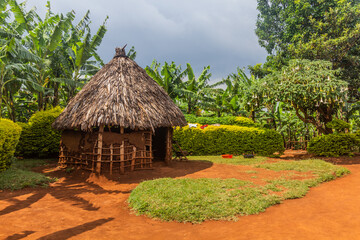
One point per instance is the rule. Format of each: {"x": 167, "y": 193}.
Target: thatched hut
{"x": 120, "y": 121}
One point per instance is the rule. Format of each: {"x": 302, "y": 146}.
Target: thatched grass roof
{"x": 120, "y": 94}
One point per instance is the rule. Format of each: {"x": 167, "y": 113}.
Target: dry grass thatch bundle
{"x": 120, "y": 94}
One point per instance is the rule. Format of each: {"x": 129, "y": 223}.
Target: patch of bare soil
{"x": 85, "y": 206}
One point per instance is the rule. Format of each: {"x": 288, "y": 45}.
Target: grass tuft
{"x": 20, "y": 175}
{"x": 197, "y": 200}
{"x": 323, "y": 171}
{"x": 236, "y": 160}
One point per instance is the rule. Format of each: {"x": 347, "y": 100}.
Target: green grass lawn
{"x": 19, "y": 175}
{"x": 196, "y": 200}
{"x": 236, "y": 160}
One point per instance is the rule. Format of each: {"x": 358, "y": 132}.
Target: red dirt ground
{"x": 83, "y": 206}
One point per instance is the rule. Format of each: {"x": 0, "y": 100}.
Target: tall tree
{"x": 311, "y": 88}
{"x": 313, "y": 29}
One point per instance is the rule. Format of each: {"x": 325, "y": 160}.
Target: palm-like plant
{"x": 168, "y": 76}
{"x": 64, "y": 50}
{"x": 15, "y": 64}
{"x": 73, "y": 58}
{"x": 197, "y": 92}
{"x": 43, "y": 37}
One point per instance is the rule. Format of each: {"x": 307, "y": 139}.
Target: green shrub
{"x": 333, "y": 145}
{"x": 338, "y": 125}
{"x": 215, "y": 140}
{"x": 38, "y": 138}
{"x": 229, "y": 120}
{"x": 9, "y": 138}
{"x": 357, "y": 134}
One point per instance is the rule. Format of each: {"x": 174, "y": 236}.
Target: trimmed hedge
{"x": 229, "y": 120}
{"x": 215, "y": 140}
{"x": 333, "y": 145}
{"x": 9, "y": 138}
{"x": 38, "y": 138}
{"x": 338, "y": 125}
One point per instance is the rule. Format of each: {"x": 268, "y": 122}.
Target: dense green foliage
{"x": 20, "y": 175}
{"x": 215, "y": 140}
{"x": 312, "y": 29}
{"x": 9, "y": 138}
{"x": 196, "y": 200}
{"x": 38, "y": 138}
{"x": 44, "y": 61}
{"x": 333, "y": 145}
{"x": 338, "y": 125}
{"x": 311, "y": 88}
{"x": 227, "y": 120}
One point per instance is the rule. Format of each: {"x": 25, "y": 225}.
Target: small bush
{"x": 215, "y": 140}
{"x": 338, "y": 125}
{"x": 9, "y": 138}
{"x": 333, "y": 145}
{"x": 38, "y": 138}
{"x": 229, "y": 120}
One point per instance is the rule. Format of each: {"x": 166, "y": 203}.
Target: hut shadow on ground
{"x": 69, "y": 190}
{"x": 73, "y": 184}
{"x": 161, "y": 170}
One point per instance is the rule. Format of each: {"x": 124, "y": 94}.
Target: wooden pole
{"x": 93, "y": 157}
{"x": 168, "y": 146}
{"x": 151, "y": 154}
{"x": 133, "y": 159}
{"x": 122, "y": 152}
{"x": 122, "y": 158}
{"x": 61, "y": 155}
{"x": 99, "y": 149}
{"x": 142, "y": 158}
{"x": 111, "y": 158}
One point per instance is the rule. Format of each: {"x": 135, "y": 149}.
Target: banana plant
{"x": 168, "y": 76}
{"x": 74, "y": 61}
{"x": 43, "y": 38}
{"x": 15, "y": 64}
{"x": 196, "y": 92}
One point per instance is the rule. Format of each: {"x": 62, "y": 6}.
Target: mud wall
{"x": 77, "y": 141}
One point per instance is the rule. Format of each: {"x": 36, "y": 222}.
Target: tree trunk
{"x": 12, "y": 108}
{"x": 253, "y": 115}
{"x": 189, "y": 107}
{"x": 56, "y": 95}
{"x": 40, "y": 101}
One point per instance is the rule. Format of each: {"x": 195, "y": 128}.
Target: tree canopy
{"x": 315, "y": 30}
{"x": 311, "y": 88}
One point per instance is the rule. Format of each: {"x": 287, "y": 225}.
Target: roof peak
{"x": 120, "y": 52}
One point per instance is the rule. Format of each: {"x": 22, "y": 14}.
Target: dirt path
{"x": 96, "y": 209}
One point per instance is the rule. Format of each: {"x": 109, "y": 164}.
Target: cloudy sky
{"x": 219, "y": 33}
